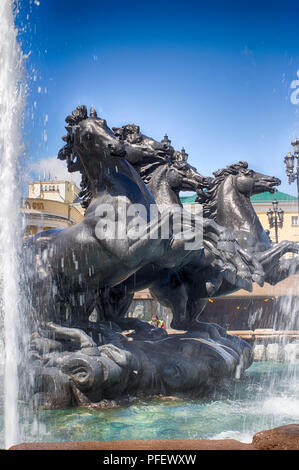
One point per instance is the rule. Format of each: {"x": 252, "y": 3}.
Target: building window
{"x": 37, "y": 206}
{"x": 294, "y": 220}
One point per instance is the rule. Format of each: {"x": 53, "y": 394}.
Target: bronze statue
{"x": 130, "y": 190}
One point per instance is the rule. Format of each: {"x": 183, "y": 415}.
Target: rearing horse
{"x": 228, "y": 203}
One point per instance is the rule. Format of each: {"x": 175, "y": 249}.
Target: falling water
{"x": 11, "y": 148}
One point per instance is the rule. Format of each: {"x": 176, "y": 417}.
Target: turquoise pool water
{"x": 267, "y": 397}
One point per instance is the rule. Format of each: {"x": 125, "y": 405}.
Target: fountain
{"x": 12, "y": 96}
{"x": 87, "y": 362}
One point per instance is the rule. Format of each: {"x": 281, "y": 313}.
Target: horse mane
{"x": 66, "y": 152}
{"x": 130, "y": 134}
{"x": 209, "y": 198}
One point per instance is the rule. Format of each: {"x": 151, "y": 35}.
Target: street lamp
{"x": 166, "y": 141}
{"x": 275, "y": 218}
{"x": 289, "y": 163}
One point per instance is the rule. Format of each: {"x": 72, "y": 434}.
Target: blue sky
{"x": 214, "y": 75}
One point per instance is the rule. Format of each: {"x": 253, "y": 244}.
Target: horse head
{"x": 228, "y": 202}
{"x": 250, "y": 182}
{"x": 158, "y": 161}
{"x": 181, "y": 176}
{"x": 90, "y": 143}
{"x": 139, "y": 147}
{"x": 235, "y": 179}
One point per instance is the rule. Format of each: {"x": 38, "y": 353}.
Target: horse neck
{"x": 236, "y": 212}
{"x": 160, "y": 188}
{"x": 118, "y": 181}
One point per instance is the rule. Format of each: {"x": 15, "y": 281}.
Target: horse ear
{"x": 70, "y": 119}
{"x": 79, "y": 114}
{"x": 92, "y": 112}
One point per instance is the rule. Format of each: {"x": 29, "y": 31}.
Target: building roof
{"x": 268, "y": 197}
{"x": 257, "y": 198}
{"x": 188, "y": 199}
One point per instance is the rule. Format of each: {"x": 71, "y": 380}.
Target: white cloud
{"x": 57, "y": 169}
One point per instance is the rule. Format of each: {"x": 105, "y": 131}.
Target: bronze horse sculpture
{"x": 71, "y": 270}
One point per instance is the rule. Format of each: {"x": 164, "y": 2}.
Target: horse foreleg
{"x": 233, "y": 253}
{"x": 271, "y": 257}
{"x": 258, "y": 274}
{"x": 285, "y": 269}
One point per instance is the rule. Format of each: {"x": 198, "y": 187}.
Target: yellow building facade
{"x": 51, "y": 204}
{"x": 289, "y": 206}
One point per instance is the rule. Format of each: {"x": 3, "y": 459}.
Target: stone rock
{"x": 259, "y": 352}
{"x": 291, "y": 352}
{"x": 274, "y": 352}
{"x": 281, "y": 438}
{"x": 163, "y": 444}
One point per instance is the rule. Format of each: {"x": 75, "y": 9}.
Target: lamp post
{"x": 275, "y": 218}
{"x": 289, "y": 163}
{"x": 166, "y": 141}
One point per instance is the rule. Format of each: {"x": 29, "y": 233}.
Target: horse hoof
{"x": 244, "y": 283}
{"x": 229, "y": 274}
{"x": 211, "y": 288}
{"x": 259, "y": 279}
